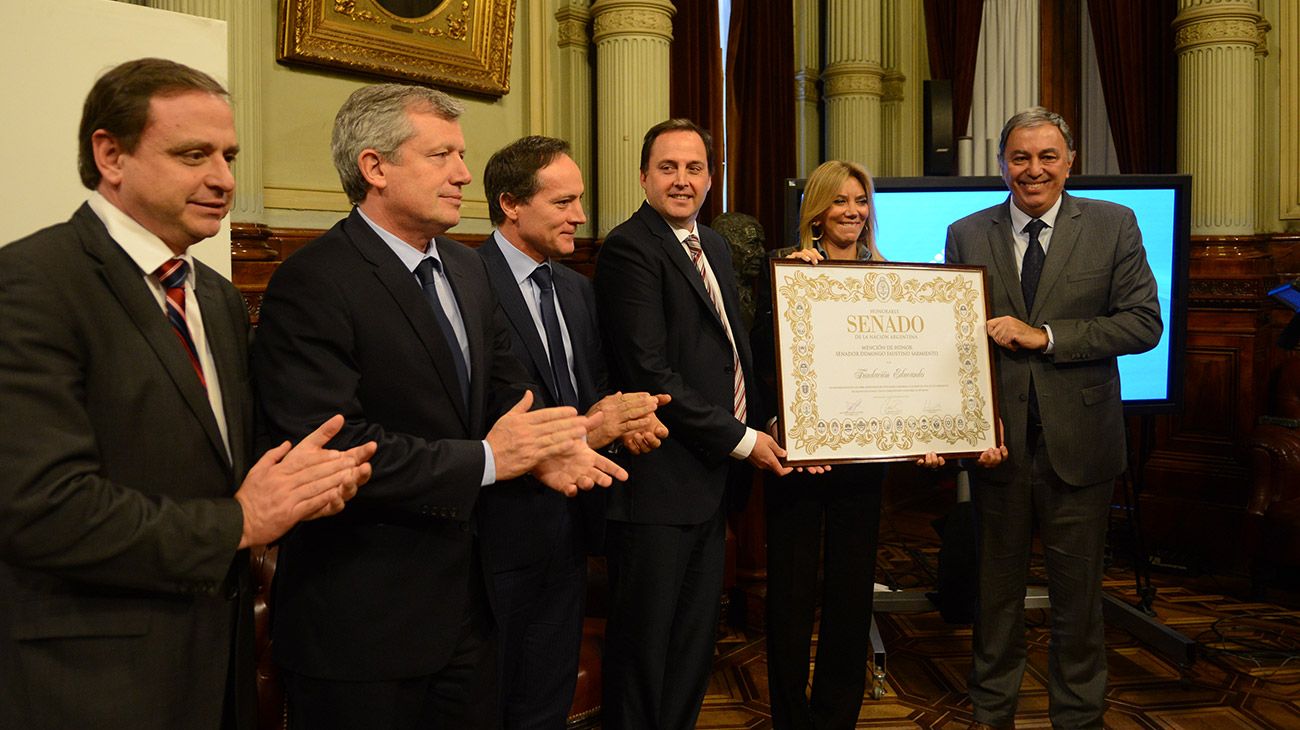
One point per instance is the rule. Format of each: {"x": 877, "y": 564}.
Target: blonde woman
{"x": 836, "y": 512}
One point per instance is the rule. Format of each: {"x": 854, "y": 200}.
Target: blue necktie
{"x": 541, "y": 276}
{"x": 427, "y": 272}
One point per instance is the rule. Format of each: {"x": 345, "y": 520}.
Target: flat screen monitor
{"x": 913, "y": 214}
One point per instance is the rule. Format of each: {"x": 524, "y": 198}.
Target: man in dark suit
{"x": 381, "y": 618}
{"x": 1070, "y": 289}
{"x": 671, "y": 318}
{"x": 126, "y": 498}
{"x": 535, "y": 541}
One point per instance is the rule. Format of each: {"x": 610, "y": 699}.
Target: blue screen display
{"x": 913, "y": 225}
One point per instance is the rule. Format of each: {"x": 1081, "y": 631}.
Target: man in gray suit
{"x": 128, "y": 493}
{"x": 1070, "y": 290}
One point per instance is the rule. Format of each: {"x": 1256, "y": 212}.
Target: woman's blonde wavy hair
{"x": 819, "y": 194}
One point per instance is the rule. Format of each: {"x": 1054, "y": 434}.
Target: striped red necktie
{"x": 739, "y": 407}
{"x": 172, "y": 277}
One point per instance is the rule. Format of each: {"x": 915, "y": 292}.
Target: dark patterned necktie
{"x": 172, "y": 277}
{"x": 427, "y": 271}
{"x": 542, "y": 277}
{"x": 1031, "y": 266}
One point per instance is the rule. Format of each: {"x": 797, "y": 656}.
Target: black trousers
{"x": 460, "y": 696}
{"x": 539, "y": 611}
{"x": 838, "y": 515}
{"x": 665, "y": 597}
{"x": 1071, "y": 522}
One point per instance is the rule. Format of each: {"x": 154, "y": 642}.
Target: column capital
{"x": 805, "y": 85}
{"x": 1262, "y": 27}
{"x": 646, "y": 18}
{"x": 848, "y": 78}
{"x": 572, "y": 20}
{"x": 892, "y": 84}
{"x": 1225, "y": 23}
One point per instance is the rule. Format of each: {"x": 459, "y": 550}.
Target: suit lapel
{"x": 516, "y": 309}
{"x": 576, "y": 318}
{"x": 1004, "y": 257}
{"x": 676, "y": 253}
{"x": 405, "y": 291}
{"x": 222, "y": 343}
{"x": 1065, "y": 236}
{"x": 474, "y": 318}
{"x": 123, "y": 278}
{"x": 717, "y": 250}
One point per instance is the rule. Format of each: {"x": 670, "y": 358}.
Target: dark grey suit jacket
{"x": 379, "y": 591}
{"x": 663, "y": 335}
{"x": 1097, "y": 294}
{"x": 517, "y": 519}
{"x": 120, "y": 586}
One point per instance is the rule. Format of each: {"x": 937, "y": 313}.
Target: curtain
{"x": 1059, "y": 82}
{"x": 695, "y": 90}
{"x": 952, "y": 30}
{"x": 760, "y": 111}
{"x": 1139, "y": 78}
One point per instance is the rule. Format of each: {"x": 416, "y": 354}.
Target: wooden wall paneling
{"x": 1197, "y": 479}
{"x": 257, "y": 250}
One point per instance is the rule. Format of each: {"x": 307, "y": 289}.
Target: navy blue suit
{"x": 388, "y": 589}
{"x": 534, "y": 539}
{"x": 667, "y": 533}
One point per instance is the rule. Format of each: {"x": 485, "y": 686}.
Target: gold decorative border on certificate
{"x": 810, "y": 433}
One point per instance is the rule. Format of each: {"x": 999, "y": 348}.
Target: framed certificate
{"x": 882, "y": 361}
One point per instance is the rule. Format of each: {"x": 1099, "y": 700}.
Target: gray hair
{"x": 374, "y": 117}
{"x": 1032, "y": 117}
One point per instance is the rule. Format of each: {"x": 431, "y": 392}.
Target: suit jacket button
{"x": 1024, "y": 397}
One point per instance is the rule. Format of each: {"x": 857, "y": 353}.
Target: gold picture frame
{"x": 465, "y": 44}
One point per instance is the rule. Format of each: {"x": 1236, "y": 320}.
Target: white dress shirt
{"x": 149, "y": 252}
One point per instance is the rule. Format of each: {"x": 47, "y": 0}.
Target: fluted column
{"x": 573, "y": 19}
{"x": 1216, "y": 42}
{"x": 1288, "y": 37}
{"x": 215, "y": 9}
{"x": 248, "y": 37}
{"x": 853, "y": 81}
{"x": 1267, "y": 195}
{"x": 633, "y": 39}
{"x": 901, "y": 103}
{"x": 807, "y": 114}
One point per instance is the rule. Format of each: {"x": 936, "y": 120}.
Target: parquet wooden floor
{"x": 1247, "y": 675}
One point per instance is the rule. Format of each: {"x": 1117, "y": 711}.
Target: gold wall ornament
{"x": 464, "y": 44}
